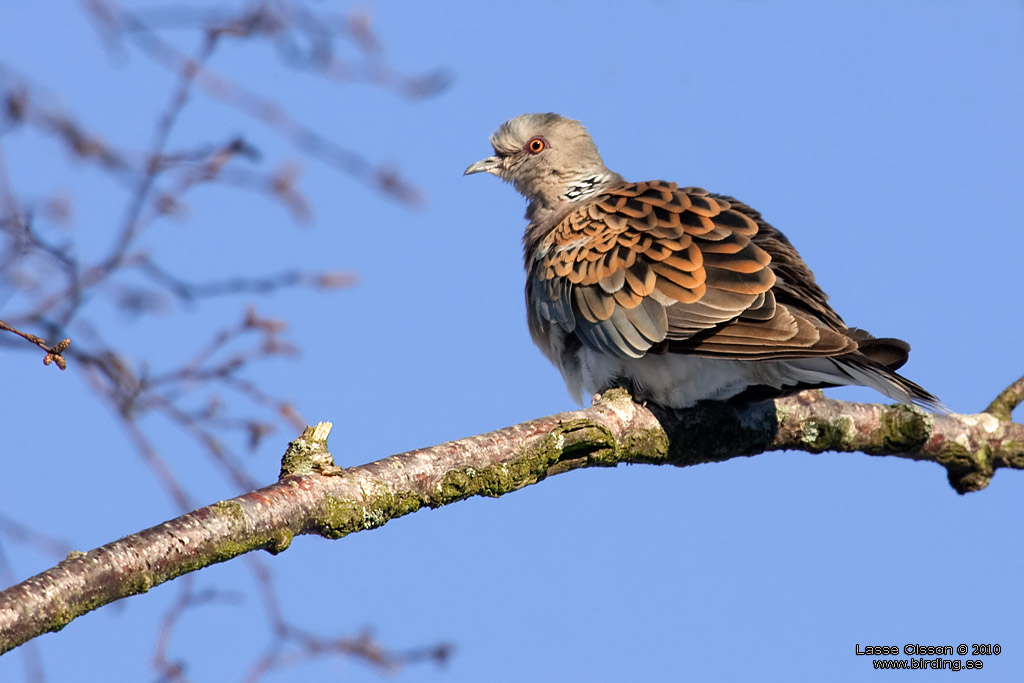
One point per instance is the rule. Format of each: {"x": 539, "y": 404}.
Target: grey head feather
{"x": 567, "y": 170}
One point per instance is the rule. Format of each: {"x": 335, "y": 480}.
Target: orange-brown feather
{"x": 649, "y": 262}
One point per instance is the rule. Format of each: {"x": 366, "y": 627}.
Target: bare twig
{"x": 53, "y": 353}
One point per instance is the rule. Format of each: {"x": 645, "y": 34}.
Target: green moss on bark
{"x": 905, "y": 428}
{"x": 647, "y": 445}
{"x": 819, "y": 435}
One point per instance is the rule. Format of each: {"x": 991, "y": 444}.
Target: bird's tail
{"x": 890, "y": 352}
{"x": 863, "y": 369}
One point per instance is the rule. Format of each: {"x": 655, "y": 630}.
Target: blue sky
{"x": 883, "y": 138}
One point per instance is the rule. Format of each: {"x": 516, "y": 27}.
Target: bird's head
{"x": 550, "y": 159}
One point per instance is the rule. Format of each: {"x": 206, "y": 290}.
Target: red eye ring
{"x": 536, "y": 145}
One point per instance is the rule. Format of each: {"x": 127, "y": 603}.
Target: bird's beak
{"x": 489, "y": 165}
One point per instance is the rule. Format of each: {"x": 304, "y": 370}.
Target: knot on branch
{"x": 972, "y": 456}
{"x": 968, "y": 480}
{"x": 308, "y": 454}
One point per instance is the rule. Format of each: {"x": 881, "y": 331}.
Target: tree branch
{"x": 1007, "y": 400}
{"x": 313, "y": 496}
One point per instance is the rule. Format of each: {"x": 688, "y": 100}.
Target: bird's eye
{"x": 536, "y": 145}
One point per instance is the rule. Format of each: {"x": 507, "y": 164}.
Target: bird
{"x": 676, "y": 294}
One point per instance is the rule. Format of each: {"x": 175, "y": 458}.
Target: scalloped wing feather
{"x": 650, "y": 262}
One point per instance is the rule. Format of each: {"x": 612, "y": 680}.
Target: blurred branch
{"x": 32, "y": 537}
{"x": 188, "y": 598}
{"x": 57, "y": 275}
{"x": 190, "y": 292}
{"x": 157, "y": 180}
{"x": 314, "y": 496}
{"x": 291, "y": 645}
{"x": 278, "y": 22}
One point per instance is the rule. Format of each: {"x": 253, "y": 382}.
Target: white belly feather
{"x": 678, "y": 380}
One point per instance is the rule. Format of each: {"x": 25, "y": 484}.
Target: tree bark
{"x": 313, "y": 496}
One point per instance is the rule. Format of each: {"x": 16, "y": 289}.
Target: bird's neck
{"x": 555, "y": 198}
{"x": 547, "y": 209}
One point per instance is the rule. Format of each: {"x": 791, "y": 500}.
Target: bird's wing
{"x": 653, "y": 266}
